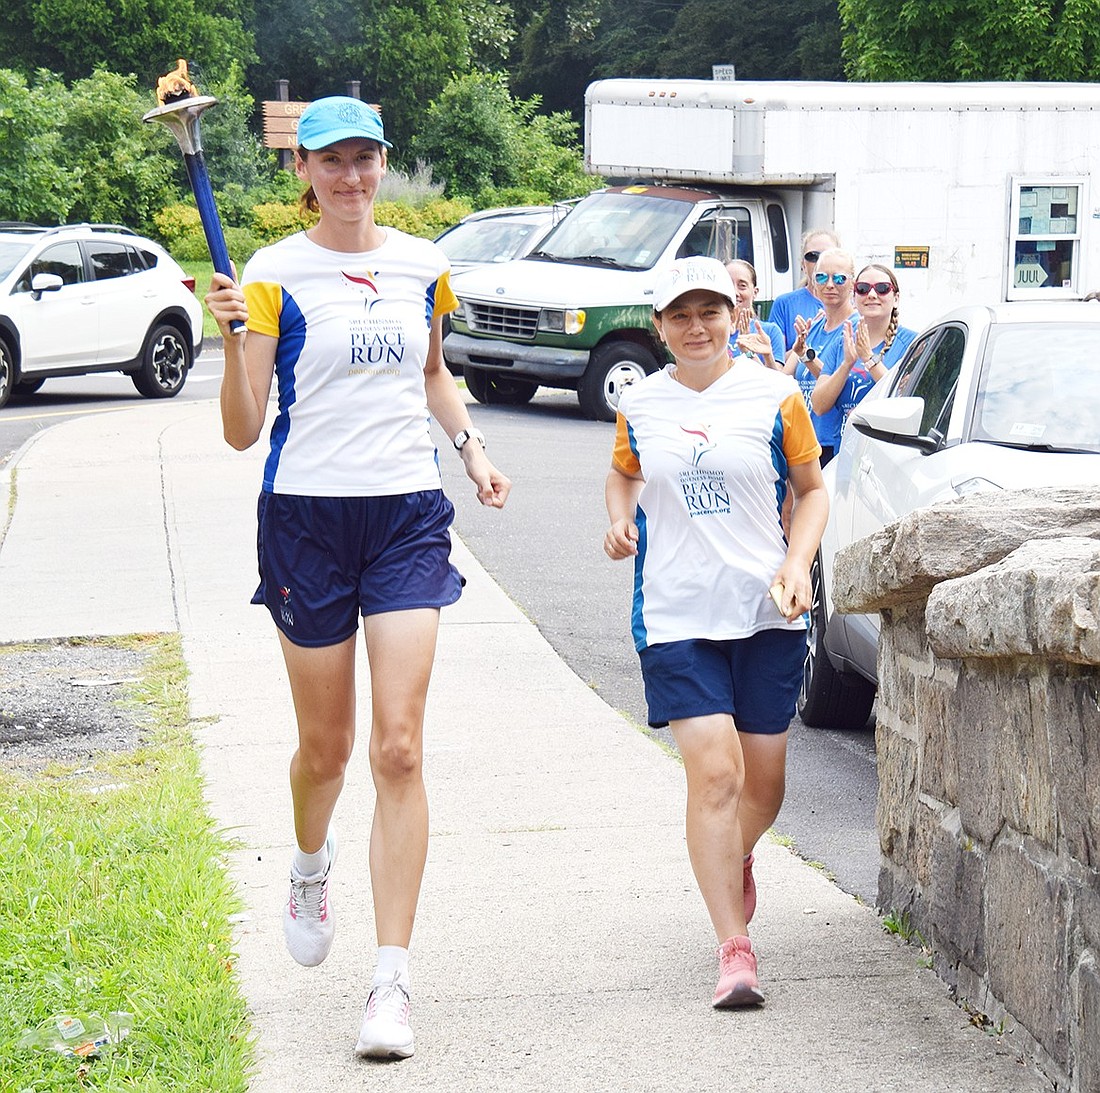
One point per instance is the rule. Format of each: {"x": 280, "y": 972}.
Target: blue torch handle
{"x": 211, "y": 222}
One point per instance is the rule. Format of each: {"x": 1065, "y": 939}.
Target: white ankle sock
{"x": 311, "y": 865}
{"x": 392, "y": 959}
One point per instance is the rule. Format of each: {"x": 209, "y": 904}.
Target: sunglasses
{"x": 883, "y": 288}
{"x": 811, "y": 255}
{"x": 838, "y": 278}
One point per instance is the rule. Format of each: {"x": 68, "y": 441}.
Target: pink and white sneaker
{"x": 386, "y": 1032}
{"x": 308, "y": 925}
{"x": 737, "y": 982}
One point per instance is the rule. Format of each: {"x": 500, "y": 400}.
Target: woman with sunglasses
{"x": 752, "y": 337}
{"x": 814, "y": 340}
{"x": 868, "y": 348}
{"x": 803, "y": 301}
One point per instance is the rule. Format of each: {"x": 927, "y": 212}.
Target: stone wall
{"x": 988, "y": 743}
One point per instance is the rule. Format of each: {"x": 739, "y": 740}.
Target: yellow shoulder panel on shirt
{"x": 799, "y": 441}
{"x": 265, "y": 303}
{"x": 622, "y": 456}
{"x": 445, "y": 299}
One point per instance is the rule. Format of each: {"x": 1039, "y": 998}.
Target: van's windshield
{"x": 626, "y": 231}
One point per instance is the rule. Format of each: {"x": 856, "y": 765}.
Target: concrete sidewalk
{"x": 561, "y": 943}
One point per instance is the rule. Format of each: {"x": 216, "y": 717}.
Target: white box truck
{"x": 969, "y": 192}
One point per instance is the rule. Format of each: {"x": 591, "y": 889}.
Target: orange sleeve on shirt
{"x": 800, "y": 443}
{"x": 265, "y": 302}
{"x": 623, "y": 457}
{"x": 445, "y": 299}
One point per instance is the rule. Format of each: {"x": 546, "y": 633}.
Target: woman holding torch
{"x": 352, "y": 518}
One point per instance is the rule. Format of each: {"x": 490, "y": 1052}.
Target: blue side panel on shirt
{"x": 429, "y": 301}
{"x": 292, "y": 337}
{"x": 637, "y": 621}
{"x": 779, "y": 462}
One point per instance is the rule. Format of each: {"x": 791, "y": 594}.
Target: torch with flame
{"x": 180, "y": 108}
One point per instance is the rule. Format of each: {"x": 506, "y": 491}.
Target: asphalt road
{"x": 544, "y": 549}
{"x": 74, "y": 396}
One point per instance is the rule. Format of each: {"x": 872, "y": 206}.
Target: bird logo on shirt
{"x": 364, "y": 283}
{"x": 702, "y": 444}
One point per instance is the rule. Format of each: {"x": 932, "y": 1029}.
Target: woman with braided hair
{"x": 871, "y": 346}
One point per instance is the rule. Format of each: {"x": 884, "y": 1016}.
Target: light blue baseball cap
{"x": 325, "y": 121}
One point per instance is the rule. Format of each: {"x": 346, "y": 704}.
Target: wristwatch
{"x": 468, "y": 434}
{"x": 811, "y": 354}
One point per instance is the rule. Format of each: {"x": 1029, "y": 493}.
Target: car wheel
{"x": 164, "y": 363}
{"x": 29, "y": 387}
{"x": 611, "y": 370}
{"x": 829, "y": 699}
{"x": 7, "y": 372}
{"x": 496, "y": 390}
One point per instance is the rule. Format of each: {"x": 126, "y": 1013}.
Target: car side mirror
{"x": 894, "y": 420}
{"x": 44, "y": 282}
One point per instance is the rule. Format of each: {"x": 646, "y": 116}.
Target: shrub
{"x": 241, "y": 244}
{"x": 190, "y": 248}
{"x": 272, "y": 221}
{"x": 179, "y": 228}
{"x": 482, "y": 140}
{"x": 442, "y": 213}
{"x": 80, "y": 152}
{"x": 402, "y": 217}
{"x": 494, "y": 197}
{"x": 176, "y": 223}
{"x": 416, "y": 189}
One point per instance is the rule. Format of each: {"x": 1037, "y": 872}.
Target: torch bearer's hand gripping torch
{"x": 180, "y": 108}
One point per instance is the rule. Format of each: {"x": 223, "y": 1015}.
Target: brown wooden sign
{"x": 281, "y": 123}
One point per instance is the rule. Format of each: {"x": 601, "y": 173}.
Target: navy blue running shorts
{"x": 756, "y": 679}
{"x": 325, "y": 560}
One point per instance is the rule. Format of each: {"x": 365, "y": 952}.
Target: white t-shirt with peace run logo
{"x": 715, "y": 468}
{"x": 353, "y": 334}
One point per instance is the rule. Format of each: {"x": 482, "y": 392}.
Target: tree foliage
{"x": 75, "y": 37}
{"x": 566, "y": 45}
{"x": 79, "y": 153}
{"x": 480, "y": 139}
{"x": 805, "y": 44}
{"x": 971, "y": 39}
{"x": 402, "y": 52}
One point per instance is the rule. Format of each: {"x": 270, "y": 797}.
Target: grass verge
{"x": 202, "y": 272}
{"x": 119, "y": 901}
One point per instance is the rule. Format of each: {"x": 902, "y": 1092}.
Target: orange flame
{"x": 176, "y": 85}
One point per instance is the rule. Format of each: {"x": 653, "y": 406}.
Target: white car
{"x": 93, "y": 298}
{"x": 498, "y": 235}
{"x": 998, "y": 397}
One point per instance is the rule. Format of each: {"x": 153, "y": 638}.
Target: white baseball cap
{"x": 689, "y": 275}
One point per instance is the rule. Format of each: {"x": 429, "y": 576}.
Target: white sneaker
{"x": 386, "y": 1032}
{"x": 308, "y": 925}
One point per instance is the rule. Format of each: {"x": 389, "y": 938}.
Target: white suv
{"x": 93, "y": 298}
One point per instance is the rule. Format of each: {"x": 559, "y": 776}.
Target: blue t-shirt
{"x": 775, "y": 336}
{"x": 788, "y": 306}
{"x": 822, "y": 341}
{"x": 859, "y": 382}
